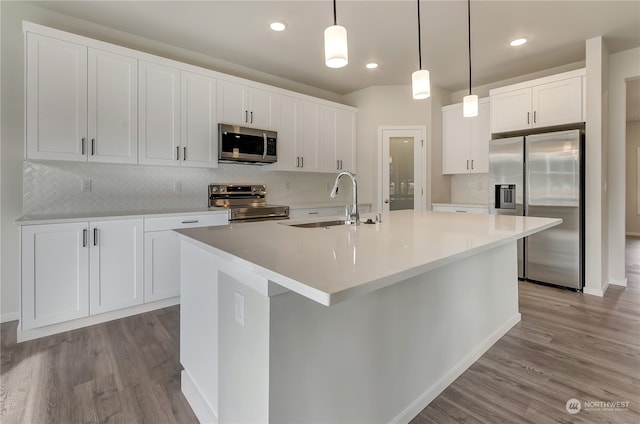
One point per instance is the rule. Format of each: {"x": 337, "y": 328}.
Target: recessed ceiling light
{"x": 518, "y": 41}
{"x": 371, "y": 65}
{"x": 278, "y": 26}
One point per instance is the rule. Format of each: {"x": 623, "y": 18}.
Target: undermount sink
{"x": 320, "y": 224}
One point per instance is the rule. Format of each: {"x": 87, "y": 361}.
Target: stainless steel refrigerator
{"x": 542, "y": 175}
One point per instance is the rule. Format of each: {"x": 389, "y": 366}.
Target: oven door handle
{"x": 264, "y": 150}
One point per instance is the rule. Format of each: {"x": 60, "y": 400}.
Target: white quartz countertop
{"x": 322, "y": 205}
{"x": 462, "y": 205}
{"x": 113, "y": 215}
{"x": 333, "y": 264}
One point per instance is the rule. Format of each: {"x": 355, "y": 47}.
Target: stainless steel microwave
{"x": 246, "y": 145}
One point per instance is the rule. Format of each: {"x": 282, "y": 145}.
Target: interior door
{"x": 403, "y": 169}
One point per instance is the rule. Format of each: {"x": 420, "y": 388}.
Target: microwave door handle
{"x": 264, "y": 149}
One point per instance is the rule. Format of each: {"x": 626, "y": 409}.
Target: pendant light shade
{"x": 420, "y": 81}
{"x": 336, "y": 54}
{"x": 470, "y": 102}
{"x": 470, "y": 106}
{"x": 421, "y": 84}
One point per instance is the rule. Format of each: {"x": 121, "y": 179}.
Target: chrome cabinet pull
{"x": 301, "y": 161}
{"x": 337, "y": 164}
{"x": 471, "y": 163}
{"x": 264, "y": 140}
{"x": 534, "y": 116}
{"x": 297, "y": 161}
{"x": 82, "y": 145}
{"x": 95, "y": 236}
{"x": 340, "y": 163}
{"x": 93, "y": 146}
{"x": 184, "y": 153}
{"x": 252, "y": 117}
{"x": 528, "y": 113}
{"x": 467, "y": 163}
{"x": 84, "y": 238}
{"x": 177, "y": 152}
{"x": 314, "y": 213}
{"x": 246, "y": 116}
{"x": 193, "y": 221}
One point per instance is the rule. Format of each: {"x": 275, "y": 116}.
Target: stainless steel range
{"x": 246, "y": 202}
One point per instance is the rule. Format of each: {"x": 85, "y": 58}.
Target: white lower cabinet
{"x": 115, "y": 264}
{"x": 55, "y": 273}
{"x": 162, "y": 252}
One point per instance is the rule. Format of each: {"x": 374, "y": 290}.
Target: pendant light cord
{"x": 419, "y": 41}
{"x": 469, "y": 28}
{"x": 335, "y": 19}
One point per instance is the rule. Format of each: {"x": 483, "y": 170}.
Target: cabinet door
{"x": 161, "y": 265}
{"x": 263, "y": 109}
{"x": 199, "y": 128}
{"x": 511, "y": 111}
{"x": 113, "y": 107}
{"x": 480, "y": 137}
{"x": 346, "y": 140}
{"x": 233, "y": 105}
{"x": 56, "y": 99}
{"x": 158, "y": 114}
{"x": 455, "y": 141}
{"x": 558, "y": 103}
{"x": 55, "y": 274}
{"x": 328, "y": 161}
{"x": 116, "y": 273}
{"x": 309, "y": 135}
{"x": 289, "y": 150}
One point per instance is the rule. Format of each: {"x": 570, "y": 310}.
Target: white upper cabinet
{"x": 337, "y": 140}
{"x": 309, "y": 135}
{"x": 113, "y": 107}
{"x": 247, "y": 106}
{"x": 346, "y": 140}
{"x": 465, "y": 141}
{"x": 199, "y": 138}
{"x": 328, "y": 141}
{"x": 158, "y": 114}
{"x": 56, "y": 99}
{"x": 81, "y": 103}
{"x": 289, "y": 143}
{"x": 554, "y": 100}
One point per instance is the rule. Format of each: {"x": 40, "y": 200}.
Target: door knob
{"x": 387, "y": 201}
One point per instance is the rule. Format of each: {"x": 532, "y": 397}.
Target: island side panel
{"x": 199, "y": 330}
{"x": 384, "y": 356}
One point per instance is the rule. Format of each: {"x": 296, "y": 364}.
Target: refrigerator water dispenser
{"x": 505, "y": 196}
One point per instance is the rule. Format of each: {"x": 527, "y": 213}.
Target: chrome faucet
{"x": 354, "y": 216}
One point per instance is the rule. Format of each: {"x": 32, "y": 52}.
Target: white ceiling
{"x": 382, "y": 31}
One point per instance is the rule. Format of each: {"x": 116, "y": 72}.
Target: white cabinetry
{"x": 442, "y": 207}
{"x": 314, "y": 137}
{"x": 337, "y": 140}
{"x": 81, "y": 103}
{"x": 177, "y": 116}
{"x": 465, "y": 140}
{"x": 162, "y": 252}
{"x": 74, "y": 270}
{"x": 113, "y": 107}
{"x": 159, "y": 114}
{"x": 55, "y": 273}
{"x": 199, "y": 138}
{"x": 56, "y": 99}
{"x": 554, "y": 100}
{"x": 248, "y": 106}
{"x": 116, "y": 272}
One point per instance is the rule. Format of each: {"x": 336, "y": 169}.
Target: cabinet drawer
{"x": 176, "y": 222}
{"x": 462, "y": 209}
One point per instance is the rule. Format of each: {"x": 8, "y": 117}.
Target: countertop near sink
{"x": 331, "y": 265}
{"x": 113, "y": 215}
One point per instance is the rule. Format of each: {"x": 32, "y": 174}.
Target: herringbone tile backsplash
{"x": 55, "y": 187}
{"x": 470, "y": 189}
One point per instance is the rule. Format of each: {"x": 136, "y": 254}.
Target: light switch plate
{"x": 86, "y": 184}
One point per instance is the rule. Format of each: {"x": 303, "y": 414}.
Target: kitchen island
{"x": 342, "y": 324}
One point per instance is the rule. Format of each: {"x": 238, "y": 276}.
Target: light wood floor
{"x": 567, "y": 345}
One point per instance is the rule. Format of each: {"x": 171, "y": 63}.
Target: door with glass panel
{"x": 403, "y": 163}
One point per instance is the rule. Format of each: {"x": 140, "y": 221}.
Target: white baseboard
{"x": 595, "y": 292}
{"x": 10, "y": 316}
{"x": 439, "y": 386}
{"x": 199, "y": 405}
{"x": 616, "y": 282}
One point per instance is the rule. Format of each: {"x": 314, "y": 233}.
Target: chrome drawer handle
{"x": 190, "y": 222}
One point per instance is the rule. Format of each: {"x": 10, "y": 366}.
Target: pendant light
{"x": 420, "y": 80}
{"x": 335, "y": 44}
{"x": 470, "y": 102}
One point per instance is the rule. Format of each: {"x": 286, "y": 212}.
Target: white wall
{"x": 633, "y": 188}
{"x": 307, "y": 187}
{"x": 394, "y": 106}
{"x": 622, "y": 66}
